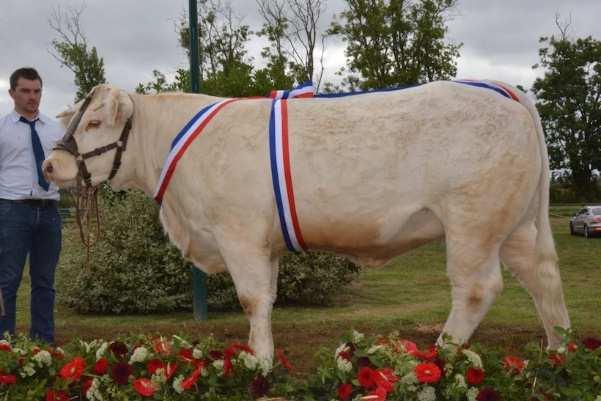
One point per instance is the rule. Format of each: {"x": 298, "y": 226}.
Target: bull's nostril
{"x": 49, "y": 169}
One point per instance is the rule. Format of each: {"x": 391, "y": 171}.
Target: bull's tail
{"x": 550, "y": 301}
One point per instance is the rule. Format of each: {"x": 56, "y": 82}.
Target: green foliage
{"x": 395, "y": 42}
{"x": 85, "y": 63}
{"x": 134, "y": 268}
{"x": 569, "y": 103}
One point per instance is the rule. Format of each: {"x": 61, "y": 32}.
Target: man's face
{"x": 27, "y": 95}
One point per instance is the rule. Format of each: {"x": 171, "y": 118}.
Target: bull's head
{"x": 96, "y": 136}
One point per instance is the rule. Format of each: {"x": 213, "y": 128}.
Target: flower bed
{"x": 360, "y": 369}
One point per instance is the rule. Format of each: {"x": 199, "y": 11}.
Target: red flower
{"x": 259, "y": 386}
{"x": 118, "y": 349}
{"x": 228, "y": 367}
{"x": 85, "y": 387}
{"x": 572, "y": 346}
{"x": 428, "y": 355}
{"x": 4, "y": 346}
{"x": 186, "y": 354}
{"x": 474, "y": 376}
{"x": 379, "y": 394}
{"x": 488, "y": 394}
{"x": 385, "y": 378}
{"x": 427, "y": 373}
{"x": 283, "y": 360}
{"x": 215, "y": 355}
{"x": 144, "y": 387}
{"x": 344, "y": 391}
{"x": 366, "y": 377}
{"x": 58, "y": 395}
{"x": 591, "y": 343}
{"x": 557, "y": 359}
{"x": 153, "y": 365}
{"x": 514, "y": 364}
{"x": 7, "y": 379}
{"x": 101, "y": 366}
{"x": 191, "y": 379}
{"x": 121, "y": 372}
{"x": 73, "y": 369}
{"x": 170, "y": 369}
{"x": 408, "y": 346}
{"x": 161, "y": 346}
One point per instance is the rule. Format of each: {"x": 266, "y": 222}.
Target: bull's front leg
{"x": 255, "y": 277}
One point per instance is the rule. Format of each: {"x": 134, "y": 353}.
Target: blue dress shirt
{"x": 18, "y": 174}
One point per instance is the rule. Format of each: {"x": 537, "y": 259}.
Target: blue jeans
{"x": 34, "y": 231}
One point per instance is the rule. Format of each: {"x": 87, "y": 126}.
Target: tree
{"x": 72, "y": 51}
{"x": 292, "y": 28}
{"x": 397, "y": 42}
{"x": 569, "y": 103}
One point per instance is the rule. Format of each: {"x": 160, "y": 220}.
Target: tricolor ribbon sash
{"x": 182, "y": 141}
{"x": 281, "y": 175}
{"x": 304, "y": 90}
{"x": 495, "y": 86}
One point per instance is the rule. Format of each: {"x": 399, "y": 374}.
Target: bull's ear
{"x": 120, "y": 106}
{"x": 66, "y": 115}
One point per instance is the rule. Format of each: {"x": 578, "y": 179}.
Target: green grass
{"x": 411, "y": 294}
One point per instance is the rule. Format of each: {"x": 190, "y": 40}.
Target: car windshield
{"x": 596, "y": 211}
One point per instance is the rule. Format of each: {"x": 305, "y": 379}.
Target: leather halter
{"x": 69, "y": 145}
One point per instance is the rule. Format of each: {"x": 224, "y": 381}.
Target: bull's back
{"x": 373, "y": 171}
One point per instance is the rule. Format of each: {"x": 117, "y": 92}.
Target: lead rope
{"x": 86, "y": 206}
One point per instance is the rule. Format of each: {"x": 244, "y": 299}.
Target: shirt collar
{"x": 14, "y": 116}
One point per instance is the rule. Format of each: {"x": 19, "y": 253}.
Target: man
{"x": 29, "y": 221}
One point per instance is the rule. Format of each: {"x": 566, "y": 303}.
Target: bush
{"x": 134, "y": 268}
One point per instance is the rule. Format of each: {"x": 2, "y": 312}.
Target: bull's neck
{"x": 157, "y": 120}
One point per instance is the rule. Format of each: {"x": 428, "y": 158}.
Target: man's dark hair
{"x": 25, "y": 72}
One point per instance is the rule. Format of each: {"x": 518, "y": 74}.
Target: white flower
{"x": 28, "y": 370}
{"x": 344, "y": 365}
{"x": 265, "y": 365}
{"x": 409, "y": 378}
{"x": 250, "y": 361}
{"x": 357, "y": 336}
{"x": 20, "y": 351}
{"x": 448, "y": 369}
{"x": 43, "y": 358}
{"x": 101, "y": 350}
{"x": 473, "y": 358}
{"x": 427, "y": 394}
{"x": 598, "y": 398}
{"x": 197, "y": 353}
{"x": 460, "y": 381}
{"x": 218, "y": 365}
{"x": 93, "y": 393}
{"x": 159, "y": 377}
{"x": 342, "y": 348}
{"x": 374, "y": 349}
{"x": 472, "y": 393}
{"x": 140, "y": 355}
{"x": 177, "y": 384}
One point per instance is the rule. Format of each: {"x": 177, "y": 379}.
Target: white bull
{"x": 374, "y": 175}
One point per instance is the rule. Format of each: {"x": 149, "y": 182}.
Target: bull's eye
{"x": 93, "y": 124}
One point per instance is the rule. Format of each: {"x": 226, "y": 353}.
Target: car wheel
{"x": 572, "y": 232}
{"x": 587, "y": 235}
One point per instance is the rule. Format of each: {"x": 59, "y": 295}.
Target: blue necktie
{"x": 38, "y": 152}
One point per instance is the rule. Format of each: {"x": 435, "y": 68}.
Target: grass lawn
{"x": 411, "y": 295}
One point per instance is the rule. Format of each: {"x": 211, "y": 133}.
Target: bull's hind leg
{"x": 474, "y": 271}
{"x": 542, "y": 280}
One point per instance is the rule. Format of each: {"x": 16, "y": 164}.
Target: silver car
{"x": 586, "y": 222}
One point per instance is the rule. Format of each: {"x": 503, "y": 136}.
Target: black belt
{"x": 33, "y": 202}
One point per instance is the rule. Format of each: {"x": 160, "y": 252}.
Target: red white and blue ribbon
{"x": 304, "y": 90}
{"x": 182, "y": 141}
{"x": 495, "y": 86}
{"x": 282, "y": 177}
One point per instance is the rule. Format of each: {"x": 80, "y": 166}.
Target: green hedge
{"x": 134, "y": 268}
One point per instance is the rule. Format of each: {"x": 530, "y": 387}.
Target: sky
{"x": 500, "y": 39}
